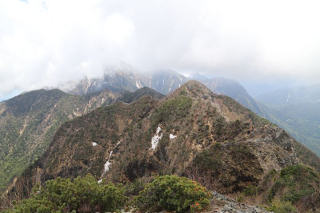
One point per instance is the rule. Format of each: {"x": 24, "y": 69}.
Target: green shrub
{"x": 250, "y": 190}
{"x": 80, "y": 195}
{"x": 294, "y": 183}
{"x": 33, "y": 205}
{"x": 173, "y": 193}
{"x": 133, "y": 188}
{"x": 278, "y": 206}
{"x": 172, "y": 109}
{"x": 210, "y": 159}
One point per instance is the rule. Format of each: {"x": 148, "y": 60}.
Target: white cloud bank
{"x": 46, "y": 42}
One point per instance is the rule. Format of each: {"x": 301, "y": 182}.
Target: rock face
{"x": 192, "y": 132}
{"x": 224, "y": 204}
{"x": 165, "y": 81}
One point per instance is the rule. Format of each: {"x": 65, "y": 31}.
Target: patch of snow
{"x": 171, "y": 136}
{"x": 94, "y": 144}
{"x": 110, "y": 154}
{"x": 107, "y": 166}
{"x": 138, "y": 84}
{"x": 156, "y": 138}
{"x": 108, "y": 163}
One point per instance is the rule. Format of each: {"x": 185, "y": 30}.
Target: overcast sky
{"x": 47, "y": 42}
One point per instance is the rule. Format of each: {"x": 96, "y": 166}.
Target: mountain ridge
{"x": 29, "y": 121}
{"x": 173, "y": 135}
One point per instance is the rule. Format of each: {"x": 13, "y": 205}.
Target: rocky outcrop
{"x": 224, "y": 204}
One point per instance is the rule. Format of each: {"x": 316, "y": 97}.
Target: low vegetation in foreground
{"x": 168, "y": 193}
{"x": 85, "y": 194}
{"x": 173, "y": 193}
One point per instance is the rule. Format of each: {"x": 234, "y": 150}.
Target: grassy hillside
{"x": 29, "y": 121}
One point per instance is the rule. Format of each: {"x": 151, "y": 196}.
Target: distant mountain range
{"x": 297, "y": 111}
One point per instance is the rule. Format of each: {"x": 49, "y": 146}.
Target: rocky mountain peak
{"x": 144, "y": 91}
{"x": 193, "y": 88}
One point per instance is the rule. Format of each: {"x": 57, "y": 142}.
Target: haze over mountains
{"x": 297, "y": 110}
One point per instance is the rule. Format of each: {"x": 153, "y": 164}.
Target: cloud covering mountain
{"x": 48, "y": 42}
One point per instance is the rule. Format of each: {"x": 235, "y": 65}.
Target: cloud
{"x": 47, "y": 42}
